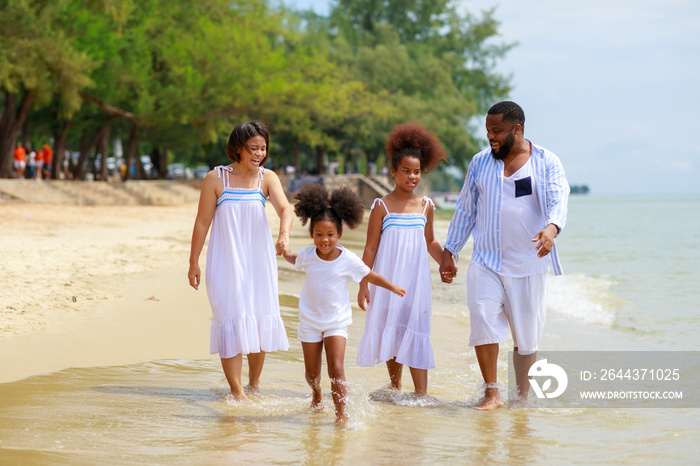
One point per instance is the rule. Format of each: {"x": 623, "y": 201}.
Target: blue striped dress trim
{"x": 403, "y": 221}
{"x": 241, "y": 195}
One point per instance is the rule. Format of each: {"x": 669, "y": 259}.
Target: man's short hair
{"x": 511, "y": 112}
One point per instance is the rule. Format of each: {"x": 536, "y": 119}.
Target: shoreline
{"x": 96, "y": 286}
{"x": 126, "y": 268}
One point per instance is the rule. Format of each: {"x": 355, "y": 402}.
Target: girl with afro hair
{"x": 324, "y": 304}
{"x": 399, "y": 239}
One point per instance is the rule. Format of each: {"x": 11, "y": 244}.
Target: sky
{"x": 610, "y": 86}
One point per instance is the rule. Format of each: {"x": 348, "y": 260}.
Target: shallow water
{"x": 614, "y": 297}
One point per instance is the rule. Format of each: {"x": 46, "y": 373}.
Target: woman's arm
{"x": 205, "y": 215}
{"x": 282, "y": 207}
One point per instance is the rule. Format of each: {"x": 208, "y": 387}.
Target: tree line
{"x": 171, "y": 78}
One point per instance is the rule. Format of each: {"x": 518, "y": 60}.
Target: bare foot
{"x": 492, "y": 399}
{"x": 317, "y": 406}
{"x": 342, "y": 421}
{"x": 238, "y": 397}
{"x": 252, "y": 389}
{"x": 393, "y": 388}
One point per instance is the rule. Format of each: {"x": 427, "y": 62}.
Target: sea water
{"x": 632, "y": 267}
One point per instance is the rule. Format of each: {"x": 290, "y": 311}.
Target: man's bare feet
{"x": 492, "y": 399}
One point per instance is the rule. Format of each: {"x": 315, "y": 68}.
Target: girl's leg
{"x": 232, "y": 371}
{"x": 335, "y": 357}
{"x": 420, "y": 381}
{"x": 313, "y": 359}
{"x": 255, "y": 367}
{"x": 395, "y": 369}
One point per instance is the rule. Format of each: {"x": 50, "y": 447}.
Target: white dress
{"x": 397, "y": 327}
{"x": 241, "y": 274}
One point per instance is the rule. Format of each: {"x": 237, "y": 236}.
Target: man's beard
{"x": 505, "y": 148}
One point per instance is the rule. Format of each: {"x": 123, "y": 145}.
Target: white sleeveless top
{"x": 399, "y": 327}
{"x": 241, "y": 274}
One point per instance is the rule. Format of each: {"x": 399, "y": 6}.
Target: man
{"x": 513, "y": 202}
{"x": 20, "y": 162}
{"x": 48, "y": 160}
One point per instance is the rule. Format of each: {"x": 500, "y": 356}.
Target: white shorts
{"x": 497, "y": 302}
{"x": 309, "y": 335}
{"x": 20, "y": 164}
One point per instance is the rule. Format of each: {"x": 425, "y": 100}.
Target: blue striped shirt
{"x": 478, "y": 211}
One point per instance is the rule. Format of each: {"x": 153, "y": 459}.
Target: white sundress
{"x": 397, "y": 327}
{"x": 241, "y": 274}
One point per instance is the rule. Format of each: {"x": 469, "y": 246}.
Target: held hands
{"x": 194, "y": 275}
{"x": 545, "y": 240}
{"x": 448, "y": 269}
{"x": 282, "y": 244}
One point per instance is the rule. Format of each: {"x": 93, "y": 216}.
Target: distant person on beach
{"x": 513, "y": 202}
{"x": 48, "y": 160}
{"x": 324, "y": 305}
{"x": 399, "y": 240}
{"x": 39, "y": 164}
{"x": 20, "y": 161}
{"x": 241, "y": 269}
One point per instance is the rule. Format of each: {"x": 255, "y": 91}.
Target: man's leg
{"x": 487, "y": 356}
{"x": 485, "y": 296}
{"x": 521, "y": 366}
{"x": 526, "y": 309}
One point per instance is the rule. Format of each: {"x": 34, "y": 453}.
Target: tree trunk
{"x": 104, "y": 150}
{"x": 10, "y": 124}
{"x": 86, "y": 148}
{"x": 58, "y": 151}
{"x": 320, "y": 159}
{"x": 163, "y": 163}
{"x": 297, "y": 157}
{"x": 131, "y": 152}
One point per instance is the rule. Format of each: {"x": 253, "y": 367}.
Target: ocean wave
{"x": 587, "y": 299}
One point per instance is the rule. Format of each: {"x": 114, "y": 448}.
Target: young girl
{"x": 241, "y": 267}
{"x": 324, "y": 304}
{"x": 399, "y": 239}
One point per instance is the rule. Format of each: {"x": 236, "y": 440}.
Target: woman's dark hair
{"x": 241, "y": 134}
{"x": 314, "y": 203}
{"x": 414, "y": 140}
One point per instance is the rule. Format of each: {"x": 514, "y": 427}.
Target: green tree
{"x": 38, "y": 63}
{"x": 426, "y": 59}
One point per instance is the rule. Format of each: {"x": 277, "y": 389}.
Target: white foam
{"x": 587, "y": 299}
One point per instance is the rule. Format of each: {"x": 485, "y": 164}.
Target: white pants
{"x": 496, "y": 302}
{"x": 310, "y": 335}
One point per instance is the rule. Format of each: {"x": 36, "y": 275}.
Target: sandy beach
{"x": 122, "y": 373}
{"x": 103, "y": 285}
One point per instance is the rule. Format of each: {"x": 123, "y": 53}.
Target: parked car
{"x": 179, "y": 171}
{"x": 200, "y": 171}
